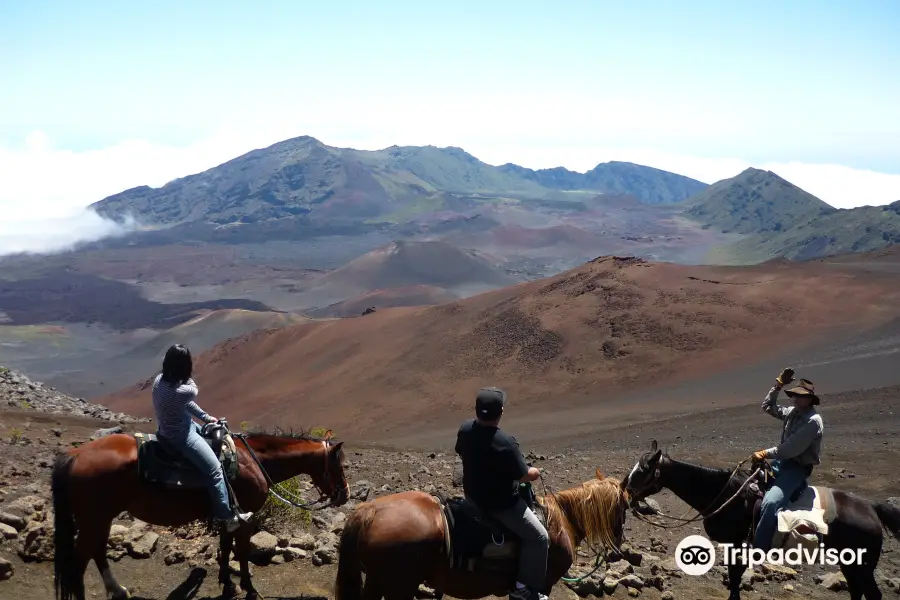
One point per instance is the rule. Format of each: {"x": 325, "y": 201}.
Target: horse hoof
{"x": 121, "y": 594}
{"x": 229, "y": 590}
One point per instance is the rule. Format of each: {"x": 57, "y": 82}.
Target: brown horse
{"x": 95, "y": 482}
{"x": 398, "y": 541}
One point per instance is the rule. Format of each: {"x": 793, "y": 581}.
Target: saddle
{"x": 478, "y": 543}
{"x": 158, "y": 465}
{"x": 803, "y": 521}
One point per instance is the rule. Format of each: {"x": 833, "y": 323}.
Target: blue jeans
{"x": 196, "y": 450}
{"x": 789, "y": 477}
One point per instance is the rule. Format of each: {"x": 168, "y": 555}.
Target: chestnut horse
{"x": 398, "y": 541}
{"x": 95, "y": 482}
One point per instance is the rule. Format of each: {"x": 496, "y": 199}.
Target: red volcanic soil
{"x": 411, "y": 295}
{"x": 611, "y": 326}
{"x": 404, "y": 263}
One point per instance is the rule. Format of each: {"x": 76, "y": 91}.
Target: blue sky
{"x": 113, "y": 95}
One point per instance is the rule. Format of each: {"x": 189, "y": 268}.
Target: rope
{"x": 586, "y": 575}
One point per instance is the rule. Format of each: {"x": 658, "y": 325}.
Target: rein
{"x": 295, "y": 502}
{"x": 700, "y": 514}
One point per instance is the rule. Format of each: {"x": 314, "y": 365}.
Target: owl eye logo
{"x": 695, "y": 555}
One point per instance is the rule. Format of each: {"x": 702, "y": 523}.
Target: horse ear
{"x": 655, "y": 458}
{"x": 337, "y": 447}
{"x": 599, "y": 474}
{"x": 653, "y": 446}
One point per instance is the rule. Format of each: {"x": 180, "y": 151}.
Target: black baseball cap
{"x": 489, "y": 403}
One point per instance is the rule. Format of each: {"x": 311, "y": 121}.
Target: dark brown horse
{"x": 95, "y": 482}
{"x": 857, "y": 522}
{"x": 399, "y": 542}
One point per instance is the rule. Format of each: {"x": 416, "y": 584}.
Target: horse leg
{"x": 84, "y": 551}
{"x": 371, "y": 589}
{"x": 854, "y": 581}
{"x": 735, "y": 572}
{"x": 401, "y": 589}
{"x": 242, "y": 554}
{"x": 114, "y": 590}
{"x": 226, "y": 541}
{"x": 869, "y": 585}
{"x": 92, "y": 543}
{"x": 861, "y": 582}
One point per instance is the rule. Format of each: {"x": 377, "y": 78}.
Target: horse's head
{"x": 331, "y": 480}
{"x": 643, "y": 480}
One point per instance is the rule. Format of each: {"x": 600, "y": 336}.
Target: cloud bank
{"x": 44, "y": 190}
{"x": 58, "y": 234}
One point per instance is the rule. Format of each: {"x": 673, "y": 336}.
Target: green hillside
{"x": 754, "y": 202}
{"x": 838, "y": 232}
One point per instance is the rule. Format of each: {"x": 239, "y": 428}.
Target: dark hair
{"x": 177, "y": 365}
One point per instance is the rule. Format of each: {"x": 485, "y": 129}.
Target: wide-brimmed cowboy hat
{"x": 804, "y": 388}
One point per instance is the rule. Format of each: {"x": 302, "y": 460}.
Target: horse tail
{"x": 348, "y": 584}
{"x": 68, "y": 581}
{"x": 890, "y": 517}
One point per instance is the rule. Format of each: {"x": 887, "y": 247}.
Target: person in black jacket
{"x": 493, "y": 467}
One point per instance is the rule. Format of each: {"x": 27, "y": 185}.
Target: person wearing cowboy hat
{"x": 795, "y": 456}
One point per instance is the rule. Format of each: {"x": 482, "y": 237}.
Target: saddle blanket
{"x": 804, "y": 521}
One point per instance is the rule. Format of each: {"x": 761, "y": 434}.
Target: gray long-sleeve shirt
{"x": 801, "y": 435}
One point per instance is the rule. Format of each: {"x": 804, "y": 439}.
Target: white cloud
{"x": 59, "y": 233}
{"x": 43, "y": 187}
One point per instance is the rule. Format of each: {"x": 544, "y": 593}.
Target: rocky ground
{"x": 17, "y": 391}
{"x": 295, "y": 552}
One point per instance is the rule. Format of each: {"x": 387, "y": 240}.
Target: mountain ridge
{"x": 303, "y": 176}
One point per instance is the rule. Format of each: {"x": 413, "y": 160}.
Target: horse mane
{"x": 591, "y": 508}
{"x": 700, "y": 478}
{"x": 276, "y": 431}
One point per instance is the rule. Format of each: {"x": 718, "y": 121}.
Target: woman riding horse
{"x": 174, "y": 392}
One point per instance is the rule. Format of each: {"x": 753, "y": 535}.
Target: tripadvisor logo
{"x": 696, "y": 555}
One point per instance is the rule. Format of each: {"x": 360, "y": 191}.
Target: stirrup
{"x": 234, "y": 522}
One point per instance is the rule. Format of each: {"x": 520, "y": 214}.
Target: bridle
{"x": 647, "y": 484}
{"x": 327, "y": 477}
{"x": 292, "y": 499}
{"x": 701, "y": 515}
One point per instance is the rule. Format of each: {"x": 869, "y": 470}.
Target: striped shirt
{"x": 174, "y": 407}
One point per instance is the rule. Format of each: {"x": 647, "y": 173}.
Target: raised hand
{"x": 786, "y": 376}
